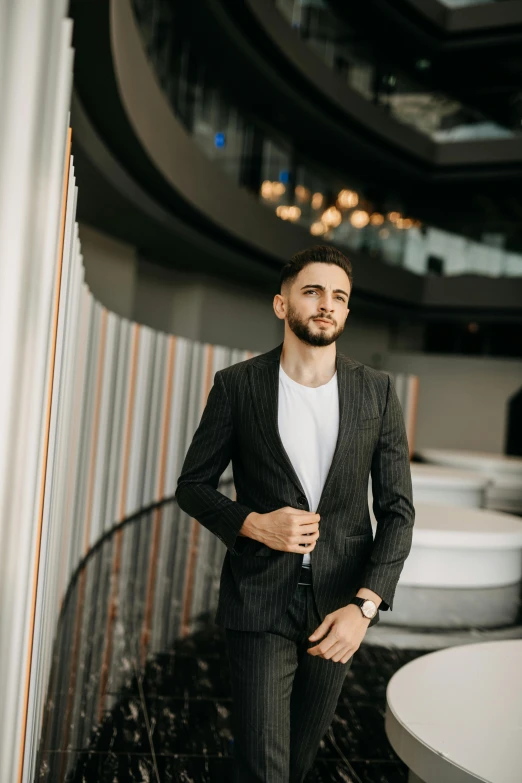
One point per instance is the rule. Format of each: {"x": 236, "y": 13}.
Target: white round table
{"x": 505, "y": 473}
{"x": 455, "y": 715}
{"x": 463, "y": 571}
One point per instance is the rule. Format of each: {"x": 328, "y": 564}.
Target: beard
{"x": 303, "y": 331}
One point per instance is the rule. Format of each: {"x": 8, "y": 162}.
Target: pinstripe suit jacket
{"x": 239, "y": 423}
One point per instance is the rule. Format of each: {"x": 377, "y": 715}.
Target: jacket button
{"x": 301, "y": 500}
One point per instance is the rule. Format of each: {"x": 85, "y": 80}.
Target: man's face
{"x": 317, "y": 304}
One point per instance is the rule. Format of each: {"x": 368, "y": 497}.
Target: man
{"x": 303, "y": 577}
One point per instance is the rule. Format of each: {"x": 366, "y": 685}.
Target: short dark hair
{"x": 325, "y": 254}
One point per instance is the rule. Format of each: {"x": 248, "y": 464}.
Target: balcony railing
{"x": 268, "y": 165}
{"x": 434, "y": 113}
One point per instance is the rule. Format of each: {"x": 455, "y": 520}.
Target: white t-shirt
{"x": 308, "y": 421}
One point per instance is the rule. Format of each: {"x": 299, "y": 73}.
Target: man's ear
{"x": 279, "y": 306}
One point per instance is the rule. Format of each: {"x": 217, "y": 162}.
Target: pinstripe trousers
{"x": 283, "y": 700}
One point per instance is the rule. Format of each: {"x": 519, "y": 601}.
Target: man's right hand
{"x": 286, "y": 529}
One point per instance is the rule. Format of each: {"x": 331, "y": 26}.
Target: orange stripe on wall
{"x": 39, "y": 524}
{"x": 118, "y": 536}
{"x": 72, "y": 466}
{"x": 195, "y": 530}
{"x": 95, "y": 433}
{"x": 160, "y": 489}
{"x": 157, "y": 515}
{"x": 130, "y": 414}
{"x": 80, "y": 604}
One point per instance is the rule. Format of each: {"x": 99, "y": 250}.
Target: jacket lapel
{"x": 264, "y": 389}
{"x": 350, "y": 387}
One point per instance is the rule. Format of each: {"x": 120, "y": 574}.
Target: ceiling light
{"x": 318, "y": 228}
{"x": 347, "y": 199}
{"x": 331, "y": 217}
{"x": 359, "y": 218}
{"x": 266, "y": 189}
{"x": 293, "y": 213}
{"x": 317, "y": 200}
{"x": 302, "y": 194}
{"x": 288, "y": 212}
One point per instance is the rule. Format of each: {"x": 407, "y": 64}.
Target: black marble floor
{"x": 173, "y": 724}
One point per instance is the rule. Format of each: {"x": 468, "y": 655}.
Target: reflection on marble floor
{"x": 172, "y": 723}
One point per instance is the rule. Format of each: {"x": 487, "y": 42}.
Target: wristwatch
{"x": 366, "y": 605}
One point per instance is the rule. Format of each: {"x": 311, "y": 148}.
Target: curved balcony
{"x": 447, "y": 183}
{"x": 464, "y": 16}
{"x": 271, "y": 167}
{"x": 127, "y": 135}
{"x": 228, "y": 191}
{"x": 469, "y": 50}
{"x": 392, "y": 95}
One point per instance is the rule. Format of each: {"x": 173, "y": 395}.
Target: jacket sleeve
{"x": 392, "y": 503}
{"x": 208, "y": 456}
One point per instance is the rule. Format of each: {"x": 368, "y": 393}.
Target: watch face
{"x": 369, "y": 609}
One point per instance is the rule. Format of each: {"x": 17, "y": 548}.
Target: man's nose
{"x": 327, "y": 304}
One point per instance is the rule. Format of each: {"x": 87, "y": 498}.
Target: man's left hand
{"x": 346, "y": 627}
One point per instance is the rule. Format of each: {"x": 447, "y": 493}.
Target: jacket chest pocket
{"x": 369, "y": 424}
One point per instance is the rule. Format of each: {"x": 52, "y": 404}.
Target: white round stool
{"x": 448, "y": 486}
{"x": 463, "y": 571}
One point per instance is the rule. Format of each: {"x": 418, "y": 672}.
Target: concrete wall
{"x": 365, "y": 339}
{"x": 462, "y": 399}
{"x": 205, "y": 308}
{"x": 110, "y": 270}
